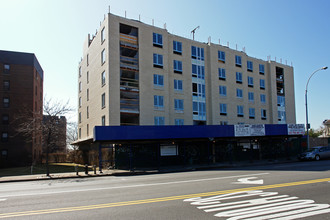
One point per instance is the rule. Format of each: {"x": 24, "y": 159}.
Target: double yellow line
{"x": 162, "y": 199}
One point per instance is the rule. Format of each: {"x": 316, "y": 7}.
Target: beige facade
{"x": 139, "y": 89}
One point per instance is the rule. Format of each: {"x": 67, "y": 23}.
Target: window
{"x": 197, "y": 53}
{"x": 157, "y": 40}
{"x": 5, "y": 119}
{"x": 87, "y": 75}
{"x": 178, "y": 105}
{"x": 87, "y": 94}
{"x": 198, "y": 90}
{"x": 158, "y": 102}
{"x": 79, "y": 133}
{"x": 158, "y": 60}
{"x": 6, "y": 85}
{"x": 251, "y": 96}
{"x": 221, "y": 56}
{"x": 103, "y": 100}
{"x": 4, "y": 137}
{"x": 79, "y": 117}
{"x": 6, "y": 68}
{"x": 223, "y": 90}
{"x": 177, "y": 47}
{"x": 103, "y": 35}
{"x": 252, "y": 113}
{"x": 239, "y": 93}
{"x": 280, "y": 101}
{"x": 199, "y": 108}
{"x": 159, "y": 120}
{"x": 239, "y": 78}
{"x": 80, "y": 102}
{"x": 79, "y": 71}
{"x": 223, "y": 109}
{"x": 281, "y": 116}
{"x": 250, "y": 81}
{"x": 103, "y": 120}
{"x": 80, "y": 86}
{"x": 103, "y": 78}
{"x": 87, "y": 112}
{"x": 263, "y": 98}
{"x": 222, "y": 73}
{"x": 238, "y": 61}
{"x": 87, "y": 130}
{"x": 240, "y": 112}
{"x": 178, "y": 121}
{"x": 261, "y": 69}
{"x": 87, "y": 59}
{"x": 223, "y": 122}
{"x": 178, "y": 85}
{"x": 262, "y": 84}
{"x": 103, "y": 56}
{"x": 263, "y": 114}
{"x": 6, "y": 102}
{"x": 177, "y": 66}
{"x": 198, "y": 71}
{"x": 250, "y": 66}
{"x": 158, "y": 80}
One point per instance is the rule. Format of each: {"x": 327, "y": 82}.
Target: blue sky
{"x": 296, "y": 31}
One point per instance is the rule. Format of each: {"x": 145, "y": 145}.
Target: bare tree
{"x": 47, "y": 124}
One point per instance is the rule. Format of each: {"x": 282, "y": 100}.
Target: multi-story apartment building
{"x": 22, "y": 98}
{"x": 132, "y": 73}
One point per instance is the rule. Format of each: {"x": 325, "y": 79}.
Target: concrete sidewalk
{"x": 114, "y": 172}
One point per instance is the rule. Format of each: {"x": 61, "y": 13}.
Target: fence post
{"x": 76, "y": 169}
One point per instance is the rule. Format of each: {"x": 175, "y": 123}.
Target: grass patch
{"x": 41, "y": 169}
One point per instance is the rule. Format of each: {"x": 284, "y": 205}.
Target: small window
{"x": 87, "y": 92}
{"x": 178, "y": 105}
{"x": 223, "y": 91}
{"x": 80, "y": 102}
{"x": 179, "y": 121}
{"x": 223, "y": 109}
{"x": 79, "y": 119}
{"x": 262, "y": 84}
{"x": 157, "y": 40}
{"x": 158, "y": 60}
{"x": 221, "y": 56}
{"x": 79, "y": 133}
{"x": 261, "y": 69}
{"x": 103, "y": 120}
{"x": 80, "y": 86}
{"x": 158, "y": 80}
{"x": 250, "y": 81}
{"x": 87, "y": 130}
{"x": 238, "y": 61}
{"x": 197, "y": 53}
{"x": 177, "y": 66}
{"x": 87, "y": 112}
{"x": 251, "y": 96}
{"x": 158, "y": 102}
{"x": 159, "y": 120}
{"x": 177, "y": 47}
{"x": 103, "y": 35}
{"x": 239, "y": 77}
{"x": 6, "y": 68}
{"x": 263, "y": 114}
{"x": 4, "y": 137}
{"x": 250, "y": 66}
{"x": 103, "y": 57}
{"x": 223, "y": 122}
{"x": 178, "y": 85}
{"x": 6, "y": 102}
{"x": 252, "y": 113}
{"x": 240, "y": 111}
{"x": 222, "y": 73}
{"x": 263, "y": 98}
{"x": 87, "y": 59}
{"x": 6, "y": 85}
{"x": 5, "y": 119}
{"x": 87, "y": 75}
{"x": 239, "y": 93}
{"x": 103, "y": 100}
{"x": 103, "y": 78}
{"x": 79, "y": 71}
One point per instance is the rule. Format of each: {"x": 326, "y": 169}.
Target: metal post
{"x": 100, "y": 158}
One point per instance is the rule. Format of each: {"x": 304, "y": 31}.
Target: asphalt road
{"x": 282, "y": 191}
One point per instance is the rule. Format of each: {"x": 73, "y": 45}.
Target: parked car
{"x": 315, "y": 153}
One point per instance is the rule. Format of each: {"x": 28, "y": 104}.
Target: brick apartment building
{"x": 21, "y": 95}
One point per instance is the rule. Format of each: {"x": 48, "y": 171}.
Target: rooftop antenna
{"x": 193, "y": 32}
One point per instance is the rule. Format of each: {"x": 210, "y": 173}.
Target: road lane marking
{"x": 132, "y": 186}
{"x": 2, "y": 200}
{"x": 248, "y": 180}
{"x": 162, "y": 199}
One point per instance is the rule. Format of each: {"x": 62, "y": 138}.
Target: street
{"x": 280, "y": 191}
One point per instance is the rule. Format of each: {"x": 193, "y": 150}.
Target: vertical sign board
{"x": 249, "y": 130}
{"x": 296, "y": 129}
{"x": 168, "y": 150}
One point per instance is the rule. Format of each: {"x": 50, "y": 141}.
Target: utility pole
{"x": 193, "y": 32}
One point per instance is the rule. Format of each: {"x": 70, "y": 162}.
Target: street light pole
{"x": 307, "y": 124}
